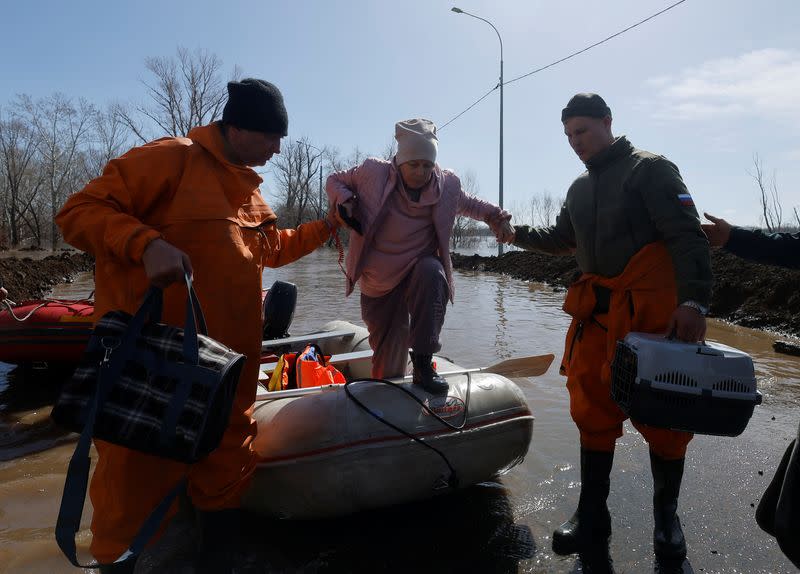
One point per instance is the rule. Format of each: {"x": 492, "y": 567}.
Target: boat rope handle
{"x": 26, "y": 317}
{"x": 453, "y": 479}
{"x": 10, "y": 306}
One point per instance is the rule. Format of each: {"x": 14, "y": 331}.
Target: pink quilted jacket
{"x": 374, "y": 180}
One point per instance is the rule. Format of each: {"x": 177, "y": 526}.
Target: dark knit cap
{"x": 584, "y": 104}
{"x": 256, "y": 105}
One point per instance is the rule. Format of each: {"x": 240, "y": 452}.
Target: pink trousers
{"x": 411, "y": 314}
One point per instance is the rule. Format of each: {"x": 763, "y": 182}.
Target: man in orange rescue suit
{"x": 645, "y": 264}
{"x": 189, "y": 204}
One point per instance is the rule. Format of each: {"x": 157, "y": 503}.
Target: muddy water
{"x": 504, "y": 526}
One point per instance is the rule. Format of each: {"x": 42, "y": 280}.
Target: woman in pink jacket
{"x": 401, "y": 216}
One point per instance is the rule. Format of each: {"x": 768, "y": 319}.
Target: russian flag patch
{"x": 686, "y": 200}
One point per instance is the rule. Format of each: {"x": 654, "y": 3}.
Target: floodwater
{"x": 503, "y": 526}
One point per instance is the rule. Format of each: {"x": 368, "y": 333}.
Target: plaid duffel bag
{"x": 152, "y": 387}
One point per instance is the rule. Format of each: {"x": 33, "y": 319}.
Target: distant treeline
{"x": 50, "y": 148}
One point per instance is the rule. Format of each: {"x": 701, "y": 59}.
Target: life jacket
{"x": 312, "y": 369}
{"x": 283, "y": 376}
{"x": 308, "y": 368}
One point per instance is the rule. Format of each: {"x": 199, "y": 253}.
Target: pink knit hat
{"x": 416, "y": 139}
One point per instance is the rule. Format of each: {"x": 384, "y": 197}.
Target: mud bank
{"x": 28, "y": 278}
{"x": 748, "y": 294}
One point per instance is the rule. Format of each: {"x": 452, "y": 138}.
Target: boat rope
{"x": 10, "y": 306}
{"x": 452, "y": 481}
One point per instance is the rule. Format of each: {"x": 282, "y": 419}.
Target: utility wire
{"x": 595, "y": 44}
{"x": 586, "y": 49}
{"x": 478, "y": 101}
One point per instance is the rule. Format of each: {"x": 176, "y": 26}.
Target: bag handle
{"x": 151, "y": 308}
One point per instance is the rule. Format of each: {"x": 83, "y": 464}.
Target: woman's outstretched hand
{"x": 506, "y": 233}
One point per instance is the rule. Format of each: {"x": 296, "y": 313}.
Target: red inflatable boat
{"x": 51, "y": 331}
{"x": 46, "y": 331}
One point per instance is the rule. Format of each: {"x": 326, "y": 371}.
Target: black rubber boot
{"x": 590, "y": 527}
{"x": 426, "y": 376}
{"x": 669, "y": 543}
{"x": 126, "y": 567}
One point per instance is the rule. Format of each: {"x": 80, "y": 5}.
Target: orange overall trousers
{"x": 642, "y": 299}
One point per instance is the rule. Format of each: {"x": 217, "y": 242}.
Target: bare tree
{"x": 518, "y": 211}
{"x": 390, "y": 150}
{"x": 109, "y": 138}
{"x": 771, "y": 209}
{"x": 186, "y": 92}
{"x": 465, "y": 229}
{"x": 544, "y": 209}
{"x": 337, "y": 162}
{"x": 534, "y": 208}
{"x": 62, "y": 129}
{"x": 549, "y": 209}
{"x": 297, "y": 169}
{"x": 21, "y": 181}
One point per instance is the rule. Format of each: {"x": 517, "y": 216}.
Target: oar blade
{"x": 522, "y": 366}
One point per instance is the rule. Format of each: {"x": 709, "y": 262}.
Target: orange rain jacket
{"x": 643, "y": 298}
{"x": 185, "y": 191}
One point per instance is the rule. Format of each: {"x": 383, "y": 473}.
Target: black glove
{"x": 346, "y": 213}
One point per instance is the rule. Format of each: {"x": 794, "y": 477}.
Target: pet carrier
{"x": 705, "y": 388}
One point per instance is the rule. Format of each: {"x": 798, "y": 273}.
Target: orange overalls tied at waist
{"x": 642, "y": 299}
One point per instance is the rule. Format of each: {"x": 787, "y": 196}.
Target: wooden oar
{"x": 522, "y": 366}
{"x": 510, "y": 368}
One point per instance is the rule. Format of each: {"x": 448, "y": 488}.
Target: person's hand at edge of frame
{"x": 718, "y": 231}
{"x": 165, "y": 264}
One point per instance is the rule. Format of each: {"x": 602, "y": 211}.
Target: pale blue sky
{"x": 708, "y": 84}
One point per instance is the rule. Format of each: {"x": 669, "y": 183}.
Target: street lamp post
{"x": 460, "y": 11}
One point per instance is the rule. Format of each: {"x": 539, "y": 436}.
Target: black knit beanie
{"x": 584, "y": 104}
{"x": 256, "y": 105}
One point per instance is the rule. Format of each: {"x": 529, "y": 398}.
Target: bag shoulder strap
{"x": 74, "y": 495}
